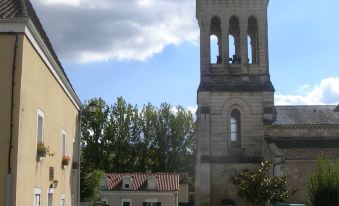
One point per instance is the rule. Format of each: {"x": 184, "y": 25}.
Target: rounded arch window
{"x": 235, "y": 127}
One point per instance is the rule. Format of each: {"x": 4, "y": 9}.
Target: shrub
{"x": 323, "y": 186}
{"x": 258, "y": 188}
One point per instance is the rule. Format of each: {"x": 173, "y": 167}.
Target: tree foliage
{"x": 323, "y": 187}
{"x": 90, "y": 182}
{"x": 258, "y": 188}
{"x": 124, "y": 138}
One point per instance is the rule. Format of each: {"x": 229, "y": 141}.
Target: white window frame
{"x": 126, "y": 200}
{"x": 127, "y": 180}
{"x": 42, "y": 115}
{"x": 152, "y": 201}
{"x": 152, "y": 182}
{"x": 50, "y": 191}
{"x": 63, "y": 198}
{"x": 63, "y": 143}
{"x": 37, "y": 191}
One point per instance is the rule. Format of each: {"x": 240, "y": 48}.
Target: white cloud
{"x": 67, "y": 2}
{"x": 101, "y": 30}
{"x": 327, "y": 92}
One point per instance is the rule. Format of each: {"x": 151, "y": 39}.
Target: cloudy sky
{"x": 148, "y": 50}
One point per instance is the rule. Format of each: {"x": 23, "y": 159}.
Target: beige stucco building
{"x": 144, "y": 189}
{"x": 37, "y": 105}
{"x": 238, "y": 125}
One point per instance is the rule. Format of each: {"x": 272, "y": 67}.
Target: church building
{"x": 238, "y": 124}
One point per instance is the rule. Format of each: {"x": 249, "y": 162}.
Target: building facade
{"x": 144, "y": 189}
{"x": 238, "y": 124}
{"x": 39, "y": 113}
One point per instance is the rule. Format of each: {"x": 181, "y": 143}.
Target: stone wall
{"x": 298, "y": 173}
{"x": 216, "y": 162}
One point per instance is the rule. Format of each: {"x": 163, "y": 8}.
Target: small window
{"x": 37, "y": 197}
{"x": 40, "y": 126}
{"x": 151, "y": 204}
{"x": 235, "y": 127}
{"x": 151, "y": 183}
{"x": 50, "y": 199}
{"x": 63, "y": 142}
{"x": 63, "y": 200}
{"x": 126, "y": 202}
{"x": 127, "y": 182}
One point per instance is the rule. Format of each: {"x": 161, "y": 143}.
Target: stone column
{"x": 205, "y": 50}
{"x": 243, "y": 44}
{"x": 225, "y": 43}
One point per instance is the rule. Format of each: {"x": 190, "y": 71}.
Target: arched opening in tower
{"x": 234, "y": 35}
{"x": 253, "y": 47}
{"x": 214, "y": 49}
{"x": 215, "y": 43}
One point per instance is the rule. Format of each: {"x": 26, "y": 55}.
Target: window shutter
{"x": 144, "y": 204}
{"x": 158, "y": 203}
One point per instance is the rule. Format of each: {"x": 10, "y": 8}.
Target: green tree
{"x": 123, "y": 138}
{"x": 323, "y": 187}
{"x": 258, "y": 188}
{"x": 94, "y": 133}
{"x": 90, "y": 182}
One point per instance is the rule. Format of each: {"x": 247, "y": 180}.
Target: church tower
{"x": 235, "y": 95}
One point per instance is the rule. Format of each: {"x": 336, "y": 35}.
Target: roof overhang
{"x": 26, "y": 26}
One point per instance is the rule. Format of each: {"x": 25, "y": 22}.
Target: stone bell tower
{"x": 235, "y": 95}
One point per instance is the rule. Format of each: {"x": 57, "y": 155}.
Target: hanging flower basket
{"x": 75, "y": 165}
{"x": 42, "y": 150}
{"x": 65, "y": 160}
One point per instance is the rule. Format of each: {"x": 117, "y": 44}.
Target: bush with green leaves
{"x": 323, "y": 187}
{"x": 258, "y": 188}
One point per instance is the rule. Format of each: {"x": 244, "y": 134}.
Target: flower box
{"x": 65, "y": 160}
{"x": 42, "y": 150}
{"x": 75, "y": 165}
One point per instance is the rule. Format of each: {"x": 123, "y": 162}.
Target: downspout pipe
{"x": 10, "y": 145}
{"x": 280, "y": 162}
{"x": 79, "y": 153}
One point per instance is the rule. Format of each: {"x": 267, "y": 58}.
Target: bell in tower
{"x": 235, "y": 95}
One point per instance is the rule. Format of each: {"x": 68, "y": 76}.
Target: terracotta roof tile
{"x": 308, "y": 149}
{"x": 165, "y": 181}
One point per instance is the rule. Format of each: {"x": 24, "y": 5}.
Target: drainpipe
{"x": 9, "y": 174}
{"x": 79, "y": 154}
{"x": 280, "y": 162}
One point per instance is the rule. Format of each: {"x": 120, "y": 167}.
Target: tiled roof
{"x": 24, "y": 9}
{"x": 165, "y": 181}
{"x": 308, "y": 149}
{"x": 296, "y": 115}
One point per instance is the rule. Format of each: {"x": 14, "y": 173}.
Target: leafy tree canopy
{"x": 124, "y": 138}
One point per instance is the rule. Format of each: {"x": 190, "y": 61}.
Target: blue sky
{"x": 151, "y": 53}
